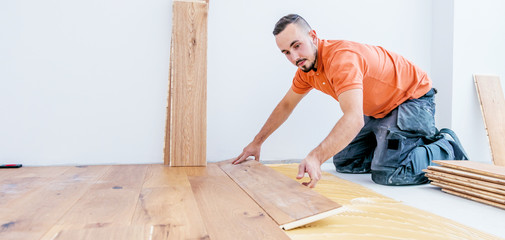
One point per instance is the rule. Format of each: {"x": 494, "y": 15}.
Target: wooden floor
{"x": 158, "y": 202}
{"x": 128, "y": 202}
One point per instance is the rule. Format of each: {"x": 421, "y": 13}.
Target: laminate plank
{"x": 475, "y": 167}
{"x": 470, "y": 191}
{"x": 466, "y": 174}
{"x": 227, "y": 211}
{"x": 31, "y": 215}
{"x": 133, "y": 232}
{"x": 188, "y": 85}
{"x": 452, "y": 177}
{"x": 466, "y": 184}
{"x": 168, "y": 122}
{"x": 112, "y": 199}
{"x": 288, "y": 202}
{"x": 14, "y": 183}
{"x": 492, "y": 104}
{"x": 477, "y": 199}
{"x": 167, "y": 200}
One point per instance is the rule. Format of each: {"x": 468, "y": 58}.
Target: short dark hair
{"x": 288, "y": 19}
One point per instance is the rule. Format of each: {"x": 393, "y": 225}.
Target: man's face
{"x": 298, "y": 46}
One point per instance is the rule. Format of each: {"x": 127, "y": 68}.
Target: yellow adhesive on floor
{"x": 366, "y": 214}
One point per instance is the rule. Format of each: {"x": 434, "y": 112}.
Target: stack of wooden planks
{"x": 480, "y": 182}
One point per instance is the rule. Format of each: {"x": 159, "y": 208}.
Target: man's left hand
{"x": 312, "y": 166}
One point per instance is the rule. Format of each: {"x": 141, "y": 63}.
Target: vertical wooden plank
{"x": 492, "y": 104}
{"x": 168, "y": 123}
{"x": 31, "y": 215}
{"x": 288, "y": 202}
{"x": 228, "y": 212}
{"x": 188, "y": 93}
{"x": 167, "y": 200}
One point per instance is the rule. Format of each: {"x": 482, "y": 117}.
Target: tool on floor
{"x": 11, "y": 165}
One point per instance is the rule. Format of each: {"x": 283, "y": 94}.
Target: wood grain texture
{"x": 31, "y": 214}
{"x": 283, "y": 198}
{"x": 470, "y": 191}
{"x": 466, "y": 184}
{"x": 466, "y": 174}
{"x": 167, "y": 190}
{"x": 188, "y": 85}
{"x": 141, "y": 232}
{"x": 477, "y": 199}
{"x": 451, "y": 177}
{"x": 168, "y": 121}
{"x": 475, "y": 167}
{"x": 492, "y": 105}
{"x": 223, "y": 205}
{"x": 111, "y": 200}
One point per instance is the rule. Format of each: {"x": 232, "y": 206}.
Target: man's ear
{"x": 313, "y": 36}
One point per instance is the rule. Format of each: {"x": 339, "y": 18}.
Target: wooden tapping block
{"x": 452, "y": 177}
{"x": 288, "y": 202}
{"x": 475, "y": 167}
{"x": 465, "y": 184}
{"x": 477, "y": 199}
{"x": 492, "y": 105}
{"x": 466, "y": 174}
{"x": 470, "y": 191}
{"x": 186, "y": 126}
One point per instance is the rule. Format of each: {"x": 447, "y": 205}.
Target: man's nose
{"x": 294, "y": 57}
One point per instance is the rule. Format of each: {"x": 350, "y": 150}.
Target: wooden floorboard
{"x": 108, "y": 202}
{"x": 32, "y": 214}
{"x": 454, "y": 177}
{"x": 167, "y": 201}
{"x": 188, "y": 85}
{"x": 466, "y": 184}
{"x": 471, "y": 191}
{"x": 129, "y": 202}
{"x": 283, "y": 198}
{"x": 476, "y": 167}
{"x": 228, "y": 212}
{"x": 492, "y": 104}
{"x": 466, "y": 174}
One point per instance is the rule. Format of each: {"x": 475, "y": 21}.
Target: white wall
{"x": 441, "y": 59}
{"x": 85, "y": 82}
{"x": 479, "y": 37}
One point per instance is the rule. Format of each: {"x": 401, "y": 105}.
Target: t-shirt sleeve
{"x": 299, "y": 85}
{"x": 345, "y": 71}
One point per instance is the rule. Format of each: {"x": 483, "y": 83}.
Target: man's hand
{"x": 253, "y": 149}
{"x": 312, "y": 166}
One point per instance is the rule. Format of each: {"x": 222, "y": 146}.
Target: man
{"x": 387, "y": 104}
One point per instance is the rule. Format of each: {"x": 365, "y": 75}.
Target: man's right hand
{"x": 253, "y": 149}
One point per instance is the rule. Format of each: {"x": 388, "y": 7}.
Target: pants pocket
{"x": 417, "y": 116}
{"x": 396, "y": 150}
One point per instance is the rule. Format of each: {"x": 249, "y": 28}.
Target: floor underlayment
{"x": 368, "y": 215}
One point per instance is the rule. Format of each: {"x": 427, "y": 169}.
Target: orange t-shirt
{"x": 387, "y": 79}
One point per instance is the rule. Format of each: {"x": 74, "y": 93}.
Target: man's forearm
{"x": 277, "y": 117}
{"x": 340, "y": 136}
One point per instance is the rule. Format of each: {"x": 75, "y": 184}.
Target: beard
{"x": 311, "y": 64}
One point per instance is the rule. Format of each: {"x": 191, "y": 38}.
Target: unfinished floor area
{"x": 160, "y": 202}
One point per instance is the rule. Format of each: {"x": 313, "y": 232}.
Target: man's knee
{"x": 353, "y": 165}
{"x": 403, "y": 175}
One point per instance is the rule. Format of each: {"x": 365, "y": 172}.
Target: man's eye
{"x": 297, "y": 46}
